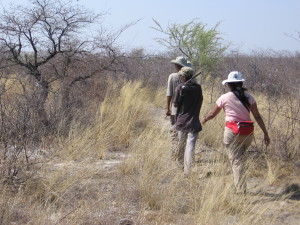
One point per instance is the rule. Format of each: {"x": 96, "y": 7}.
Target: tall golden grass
{"x": 73, "y": 185}
{"x": 207, "y": 199}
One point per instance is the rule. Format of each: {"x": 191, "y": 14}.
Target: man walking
{"x": 188, "y": 98}
{"x": 173, "y": 82}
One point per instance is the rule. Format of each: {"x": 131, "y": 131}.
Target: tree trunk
{"x": 65, "y": 108}
{"x": 41, "y": 109}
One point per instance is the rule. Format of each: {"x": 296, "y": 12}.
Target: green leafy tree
{"x": 201, "y": 45}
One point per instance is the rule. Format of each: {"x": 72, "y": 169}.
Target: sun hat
{"x": 234, "y": 76}
{"x": 180, "y": 60}
{"x": 186, "y": 72}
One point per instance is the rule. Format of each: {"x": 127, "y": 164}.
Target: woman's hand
{"x": 260, "y": 122}
{"x": 211, "y": 115}
{"x": 204, "y": 120}
{"x": 267, "y": 139}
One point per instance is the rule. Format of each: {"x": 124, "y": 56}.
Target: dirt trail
{"x": 286, "y": 212}
{"x": 119, "y": 201}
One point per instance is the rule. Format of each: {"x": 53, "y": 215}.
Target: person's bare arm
{"x": 168, "y": 110}
{"x": 175, "y": 98}
{"x": 259, "y": 120}
{"x": 212, "y": 114}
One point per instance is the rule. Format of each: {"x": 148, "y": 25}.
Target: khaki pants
{"x": 236, "y": 146}
{"x": 174, "y": 138}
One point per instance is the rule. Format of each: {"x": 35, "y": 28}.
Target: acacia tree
{"x": 33, "y": 35}
{"x": 202, "y": 46}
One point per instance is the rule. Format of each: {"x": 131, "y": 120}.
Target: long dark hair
{"x": 239, "y": 91}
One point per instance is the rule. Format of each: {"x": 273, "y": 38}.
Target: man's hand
{"x": 168, "y": 106}
{"x": 168, "y": 112}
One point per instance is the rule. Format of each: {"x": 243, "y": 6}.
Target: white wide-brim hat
{"x": 180, "y": 60}
{"x": 234, "y": 76}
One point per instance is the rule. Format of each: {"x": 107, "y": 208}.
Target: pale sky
{"x": 249, "y": 25}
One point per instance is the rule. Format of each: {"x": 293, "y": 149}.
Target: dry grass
{"x": 207, "y": 195}
{"x": 119, "y": 169}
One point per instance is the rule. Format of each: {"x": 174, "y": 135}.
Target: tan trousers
{"x": 174, "y": 138}
{"x": 236, "y": 146}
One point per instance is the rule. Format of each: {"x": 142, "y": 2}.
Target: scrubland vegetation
{"x": 84, "y": 139}
{"x": 114, "y": 165}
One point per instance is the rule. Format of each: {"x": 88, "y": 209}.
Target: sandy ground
{"x": 121, "y": 203}
{"x": 287, "y": 210}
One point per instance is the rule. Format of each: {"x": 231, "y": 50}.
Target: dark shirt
{"x": 188, "y": 98}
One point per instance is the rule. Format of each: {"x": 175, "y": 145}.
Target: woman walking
{"x": 238, "y": 134}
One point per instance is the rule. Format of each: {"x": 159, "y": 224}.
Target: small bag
{"x": 242, "y": 127}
